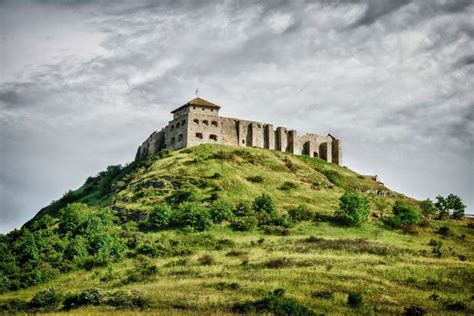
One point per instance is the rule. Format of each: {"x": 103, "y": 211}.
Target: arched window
{"x": 205, "y": 122}
{"x": 214, "y": 123}
{"x": 213, "y": 137}
{"x": 177, "y": 125}
{"x": 199, "y": 135}
{"x": 196, "y": 121}
{"x": 180, "y": 137}
{"x": 172, "y": 127}
{"x": 172, "y": 140}
{"x": 183, "y": 122}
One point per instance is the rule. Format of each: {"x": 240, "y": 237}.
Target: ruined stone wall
{"x": 194, "y": 126}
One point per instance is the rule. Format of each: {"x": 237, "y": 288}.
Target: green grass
{"x": 391, "y": 269}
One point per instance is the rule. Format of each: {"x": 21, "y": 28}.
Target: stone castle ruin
{"x": 198, "y": 122}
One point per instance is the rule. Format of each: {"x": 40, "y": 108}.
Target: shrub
{"x": 255, "y": 179}
{"x": 192, "y": 216}
{"x": 353, "y": 209}
{"x": 403, "y": 214}
{"x": 206, "y": 260}
{"x": 13, "y": 306}
{"x": 48, "y": 300}
{"x": 414, "y": 311}
{"x": 244, "y": 219}
{"x": 274, "y": 303}
{"x": 428, "y": 209}
{"x": 327, "y": 295}
{"x": 86, "y": 297}
{"x": 187, "y": 194}
{"x": 220, "y": 211}
{"x": 455, "y": 305}
{"x": 160, "y": 217}
{"x": 355, "y": 299}
{"x": 276, "y": 230}
{"x": 437, "y": 251}
{"x": 72, "y": 216}
{"x": 301, "y": 213}
{"x": 286, "y": 186}
{"x": 144, "y": 269}
{"x": 264, "y": 204}
{"x": 122, "y": 299}
{"x": 444, "y": 230}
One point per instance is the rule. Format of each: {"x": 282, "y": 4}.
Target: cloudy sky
{"x": 83, "y": 83}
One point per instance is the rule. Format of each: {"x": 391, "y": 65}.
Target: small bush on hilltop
{"x": 274, "y": 303}
{"x": 160, "y": 217}
{"x": 301, "y": 213}
{"x": 353, "y": 209}
{"x": 220, "y": 211}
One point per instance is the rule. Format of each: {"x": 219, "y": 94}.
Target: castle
{"x": 198, "y": 122}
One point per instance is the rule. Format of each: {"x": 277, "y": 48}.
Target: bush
{"x": 414, "y": 311}
{"x": 274, "y": 303}
{"x": 355, "y": 299}
{"x": 353, "y": 209}
{"x": 144, "y": 269}
{"x": 286, "y": 186}
{"x": 86, "y": 297}
{"x": 301, "y": 213}
{"x": 255, "y": 179}
{"x": 403, "y": 214}
{"x": 455, "y": 306}
{"x": 48, "y": 300}
{"x": 192, "y": 216}
{"x": 13, "y": 306}
{"x": 244, "y": 219}
{"x": 220, "y": 211}
{"x": 264, "y": 204}
{"x": 444, "y": 230}
{"x": 206, "y": 260}
{"x": 327, "y": 295}
{"x": 160, "y": 217}
{"x": 122, "y": 299}
{"x": 276, "y": 230}
{"x": 187, "y": 194}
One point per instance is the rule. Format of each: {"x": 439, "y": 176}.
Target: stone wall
{"x": 194, "y": 125}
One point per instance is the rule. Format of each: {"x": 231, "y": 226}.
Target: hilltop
{"x": 99, "y": 249}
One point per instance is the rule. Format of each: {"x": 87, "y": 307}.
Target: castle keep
{"x": 198, "y": 122}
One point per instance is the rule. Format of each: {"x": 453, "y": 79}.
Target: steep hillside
{"x": 184, "y": 232}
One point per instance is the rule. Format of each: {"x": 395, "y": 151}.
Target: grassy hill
{"x": 98, "y": 252}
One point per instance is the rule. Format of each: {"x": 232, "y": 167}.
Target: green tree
{"x": 264, "y": 204}
{"x": 244, "y": 219}
{"x": 451, "y": 204}
{"x": 353, "y": 209}
{"x": 428, "y": 209}
{"x": 160, "y": 217}
{"x": 381, "y": 205}
{"x": 72, "y": 216}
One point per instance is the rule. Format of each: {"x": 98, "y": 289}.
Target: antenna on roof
{"x": 197, "y": 93}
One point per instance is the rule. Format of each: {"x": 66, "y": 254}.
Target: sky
{"x": 83, "y": 84}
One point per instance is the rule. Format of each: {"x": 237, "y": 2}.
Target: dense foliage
{"x": 353, "y": 209}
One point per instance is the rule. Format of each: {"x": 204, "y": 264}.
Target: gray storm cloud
{"x": 83, "y": 83}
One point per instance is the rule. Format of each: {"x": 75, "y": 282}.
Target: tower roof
{"x": 198, "y": 102}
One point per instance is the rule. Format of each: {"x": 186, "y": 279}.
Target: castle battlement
{"x": 198, "y": 122}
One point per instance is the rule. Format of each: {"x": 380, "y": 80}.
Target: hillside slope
{"x": 98, "y": 239}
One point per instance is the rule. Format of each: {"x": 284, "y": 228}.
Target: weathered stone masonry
{"x": 198, "y": 122}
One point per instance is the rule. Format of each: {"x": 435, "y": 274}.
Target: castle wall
{"x": 193, "y": 126}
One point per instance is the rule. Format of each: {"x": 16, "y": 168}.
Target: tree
{"x": 264, "y": 204}
{"x": 160, "y": 217}
{"x": 381, "y": 205}
{"x": 451, "y": 204}
{"x": 428, "y": 209}
{"x": 353, "y": 209}
{"x": 191, "y": 215}
{"x": 72, "y": 216}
